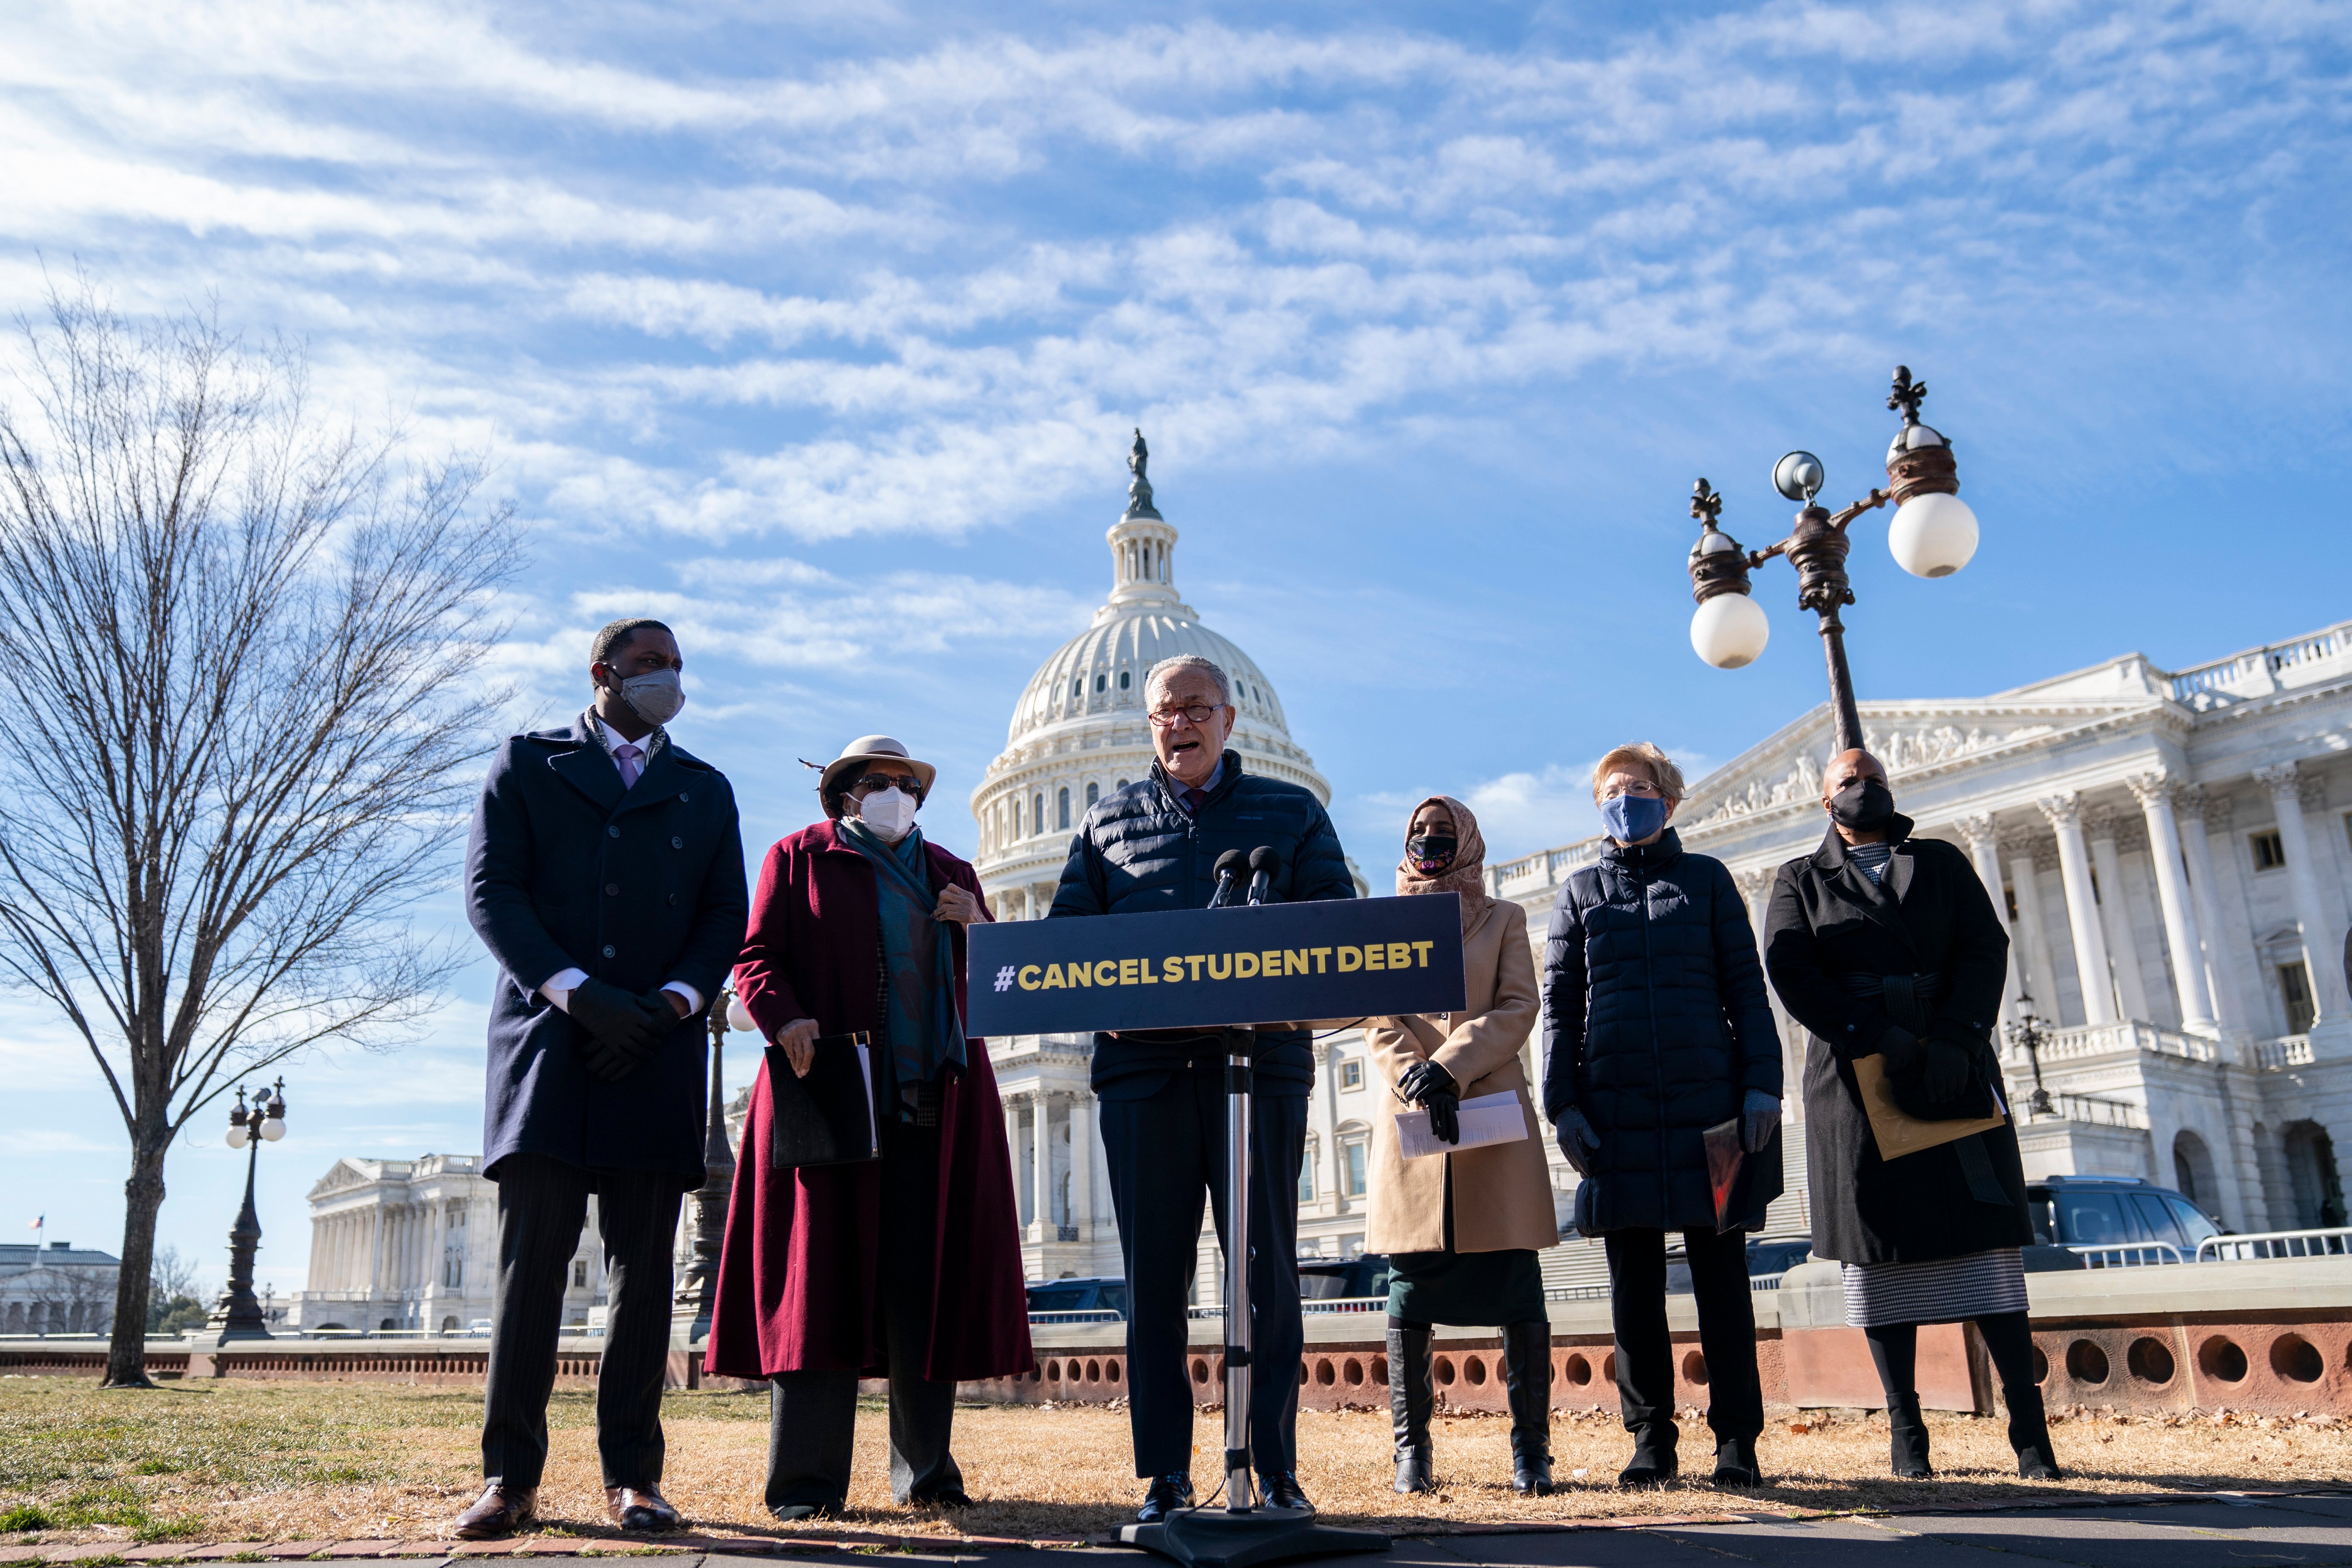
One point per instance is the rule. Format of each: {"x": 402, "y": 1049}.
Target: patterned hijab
{"x": 1467, "y": 876}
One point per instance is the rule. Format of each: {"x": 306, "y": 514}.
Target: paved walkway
{"x": 2174, "y": 1531}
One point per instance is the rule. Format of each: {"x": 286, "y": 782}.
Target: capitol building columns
{"x": 2173, "y": 851}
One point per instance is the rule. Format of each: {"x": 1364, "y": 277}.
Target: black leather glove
{"x": 1444, "y": 1108}
{"x": 1902, "y": 1050}
{"x": 621, "y": 1032}
{"x": 1945, "y": 1071}
{"x": 1579, "y": 1144}
{"x": 1421, "y": 1079}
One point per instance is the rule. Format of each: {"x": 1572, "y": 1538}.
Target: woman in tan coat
{"x": 1462, "y": 1229}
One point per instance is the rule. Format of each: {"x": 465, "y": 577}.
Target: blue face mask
{"x": 1629, "y": 818}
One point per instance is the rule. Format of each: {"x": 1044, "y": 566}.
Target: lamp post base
{"x": 1220, "y": 1538}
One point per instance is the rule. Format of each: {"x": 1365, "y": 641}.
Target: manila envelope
{"x": 1897, "y": 1132}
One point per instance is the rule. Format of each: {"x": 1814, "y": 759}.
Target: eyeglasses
{"x": 1639, "y": 786}
{"x": 1165, "y": 717}
{"x": 873, "y": 783}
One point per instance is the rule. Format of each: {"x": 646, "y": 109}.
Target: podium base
{"x": 1218, "y": 1538}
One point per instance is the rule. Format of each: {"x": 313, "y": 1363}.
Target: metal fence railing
{"x": 1762, "y": 1283}
{"x": 1081, "y": 1315}
{"x": 2128, "y": 1253}
{"x": 2330, "y": 1242}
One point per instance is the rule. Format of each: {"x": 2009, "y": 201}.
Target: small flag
{"x": 38, "y": 1222}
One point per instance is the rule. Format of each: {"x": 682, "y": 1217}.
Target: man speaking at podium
{"x": 1153, "y": 846}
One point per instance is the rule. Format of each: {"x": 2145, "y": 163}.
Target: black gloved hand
{"x": 610, "y": 1015}
{"x": 1444, "y": 1108}
{"x": 1421, "y": 1079}
{"x": 1944, "y": 1073}
{"x": 1579, "y": 1146}
{"x": 1902, "y": 1050}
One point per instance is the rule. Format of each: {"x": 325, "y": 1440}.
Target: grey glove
{"x": 1760, "y": 1117}
{"x": 1579, "y": 1144}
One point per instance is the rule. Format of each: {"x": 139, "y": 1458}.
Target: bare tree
{"x": 242, "y": 644}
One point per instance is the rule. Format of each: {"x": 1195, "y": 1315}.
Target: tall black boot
{"x": 2029, "y": 1434}
{"x": 1907, "y": 1442}
{"x": 1526, "y": 1374}
{"x": 1409, "y": 1406}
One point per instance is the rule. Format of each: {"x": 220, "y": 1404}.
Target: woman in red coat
{"x": 908, "y": 1267}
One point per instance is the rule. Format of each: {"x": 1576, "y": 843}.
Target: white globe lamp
{"x": 1730, "y": 630}
{"x": 1932, "y": 535}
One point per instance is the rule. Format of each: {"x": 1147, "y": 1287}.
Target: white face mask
{"x": 888, "y": 812}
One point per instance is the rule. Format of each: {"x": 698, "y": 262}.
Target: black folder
{"x": 826, "y": 1117}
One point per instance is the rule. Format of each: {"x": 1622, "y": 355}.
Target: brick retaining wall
{"x": 2270, "y": 1338}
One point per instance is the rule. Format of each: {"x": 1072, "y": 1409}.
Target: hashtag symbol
{"x": 1004, "y": 978}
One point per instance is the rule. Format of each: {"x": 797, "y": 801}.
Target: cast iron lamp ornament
{"x": 2027, "y": 1033}
{"x": 238, "y": 1315}
{"x": 1932, "y": 534}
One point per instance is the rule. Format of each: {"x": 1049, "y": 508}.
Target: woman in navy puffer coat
{"x": 1656, "y": 1028}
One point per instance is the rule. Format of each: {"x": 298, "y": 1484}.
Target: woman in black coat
{"x": 1885, "y": 945}
{"x": 1656, "y": 1027}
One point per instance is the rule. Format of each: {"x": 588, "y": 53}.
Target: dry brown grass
{"x": 234, "y": 1461}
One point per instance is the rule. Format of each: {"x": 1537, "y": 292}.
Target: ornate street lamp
{"x": 2027, "y": 1033}
{"x": 238, "y": 1315}
{"x": 1932, "y": 534}
{"x": 697, "y": 1286}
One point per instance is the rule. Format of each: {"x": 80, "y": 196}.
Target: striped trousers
{"x": 542, "y": 1204}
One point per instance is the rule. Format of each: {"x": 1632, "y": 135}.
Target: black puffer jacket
{"x": 1656, "y": 1024}
{"x": 1137, "y": 851}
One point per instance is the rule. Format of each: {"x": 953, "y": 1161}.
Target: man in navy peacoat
{"x": 605, "y": 875}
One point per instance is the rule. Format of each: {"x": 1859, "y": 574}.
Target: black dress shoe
{"x": 952, "y": 1498}
{"x": 1168, "y": 1494}
{"x": 1281, "y": 1490}
{"x": 1735, "y": 1464}
{"x": 1649, "y": 1468}
{"x": 794, "y": 1512}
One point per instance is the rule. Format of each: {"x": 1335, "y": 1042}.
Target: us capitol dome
{"x": 1080, "y": 732}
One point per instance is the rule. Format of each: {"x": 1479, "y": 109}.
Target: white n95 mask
{"x": 888, "y": 812}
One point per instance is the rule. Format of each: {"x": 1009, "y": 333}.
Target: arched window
{"x": 1037, "y": 812}
{"x": 1077, "y": 687}
{"x": 1123, "y": 676}
{"x": 1062, "y": 819}
{"x": 1122, "y": 784}
{"x": 1094, "y": 793}
{"x": 1102, "y": 681}
{"x": 1016, "y": 818}
{"x": 2193, "y": 1170}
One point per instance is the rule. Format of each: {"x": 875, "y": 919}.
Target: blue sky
{"x": 819, "y": 329}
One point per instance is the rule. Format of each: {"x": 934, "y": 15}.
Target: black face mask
{"x": 1863, "y": 805}
{"x": 1430, "y": 853}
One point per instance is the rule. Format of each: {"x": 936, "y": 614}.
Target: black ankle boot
{"x": 1526, "y": 1374}
{"x": 1908, "y": 1441}
{"x": 2029, "y": 1434}
{"x": 1653, "y": 1463}
{"x": 1409, "y": 1405}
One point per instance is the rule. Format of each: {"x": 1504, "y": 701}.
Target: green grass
{"x": 74, "y": 1457}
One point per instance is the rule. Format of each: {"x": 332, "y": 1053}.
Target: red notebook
{"x": 1725, "y": 1161}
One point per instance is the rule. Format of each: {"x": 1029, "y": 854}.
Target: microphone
{"x": 1229, "y": 866}
{"x": 1264, "y": 862}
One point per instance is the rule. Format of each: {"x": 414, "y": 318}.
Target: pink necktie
{"x": 628, "y": 756}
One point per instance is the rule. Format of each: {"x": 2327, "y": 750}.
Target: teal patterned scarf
{"x": 924, "y": 1026}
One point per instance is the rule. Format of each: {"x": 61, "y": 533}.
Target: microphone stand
{"x": 1245, "y": 1533}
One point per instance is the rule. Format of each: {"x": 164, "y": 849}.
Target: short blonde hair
{"x": 1643, "y": 755}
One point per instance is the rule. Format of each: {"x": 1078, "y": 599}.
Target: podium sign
{"x": 1344, "y": 958}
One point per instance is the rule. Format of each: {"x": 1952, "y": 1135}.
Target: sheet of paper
{"x": 1489, "y": 1119}
{"x": 865, "y": 1066}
